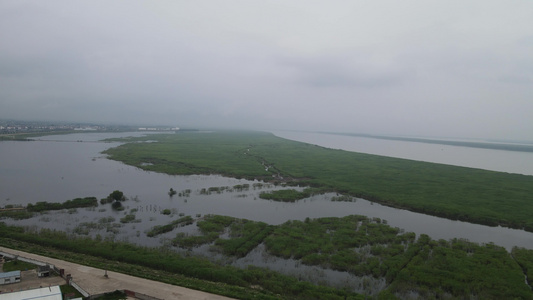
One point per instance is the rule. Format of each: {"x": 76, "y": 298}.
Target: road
{"x": 93, "y": 281}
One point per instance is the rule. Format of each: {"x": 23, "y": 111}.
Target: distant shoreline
{"x": 483, "y": 145}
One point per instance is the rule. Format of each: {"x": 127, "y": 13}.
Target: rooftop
{"x": 46, "y": 293}
{"x": 10, "y": 274}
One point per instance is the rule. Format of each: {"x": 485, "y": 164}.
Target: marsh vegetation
{"x": 379, "y": 260}
{"x": 364, "y": 247}
{"x": 160, "y": 229}
{"x": 458, "y": 193}
{"x": 290, "y": 195}
{"x": 192, "y": 272}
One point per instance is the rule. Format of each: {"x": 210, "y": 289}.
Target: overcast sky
{"x": 428, "y": 68}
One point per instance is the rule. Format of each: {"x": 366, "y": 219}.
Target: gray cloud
{"x": 388, "y": 67}
{"x": 343, "y": 72}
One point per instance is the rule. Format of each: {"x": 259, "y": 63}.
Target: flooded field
{"x": 64, "y": 167}
{"x": 60, "y": 168}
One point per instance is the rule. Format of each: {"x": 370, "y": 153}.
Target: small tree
{"x": 117, "y": 196}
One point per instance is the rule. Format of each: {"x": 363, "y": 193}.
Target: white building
{"x": 46, "y": 293}
{"x": 9, "y": 277}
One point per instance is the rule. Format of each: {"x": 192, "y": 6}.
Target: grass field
{"x": 459, "y": 193}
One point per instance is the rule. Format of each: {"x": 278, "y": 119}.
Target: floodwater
{"x": 63, "y": 167}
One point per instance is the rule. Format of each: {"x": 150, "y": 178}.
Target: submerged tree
{"x": 172, "y": 192}
{"x": 117, "y": 196}
{"x": 117, "y": 205}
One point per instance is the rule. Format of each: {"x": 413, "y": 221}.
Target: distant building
{"x": 86, "y": 128}
{"x": 159, "y": 128}
{"x": 46, "y": 293}
{"x": 9, "y": 277}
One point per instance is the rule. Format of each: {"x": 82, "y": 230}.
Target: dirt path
{"x": 92, "y": 280}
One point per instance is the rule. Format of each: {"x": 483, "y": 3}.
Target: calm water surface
{"x": 59, "y": 168}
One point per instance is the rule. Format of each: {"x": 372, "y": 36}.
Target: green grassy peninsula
{"x": 459, "y": 193}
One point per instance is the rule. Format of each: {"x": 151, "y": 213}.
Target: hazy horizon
{"x": 430, "y": 69}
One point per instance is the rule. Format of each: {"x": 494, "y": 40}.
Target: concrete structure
{"x": 46, "y": 293}
{"x": 9, "y": 277}
{"x": 43, "y": 271}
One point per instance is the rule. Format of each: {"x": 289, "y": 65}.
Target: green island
{"x": 74, "y": 203}
{"x": 160, "y": 229}
{"x": 290, "y": 195}
{"x": 457, "y": 193}
{"x": 27, "y": 212}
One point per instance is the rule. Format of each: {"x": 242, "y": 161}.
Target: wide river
{"x": 63, "y": 167}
